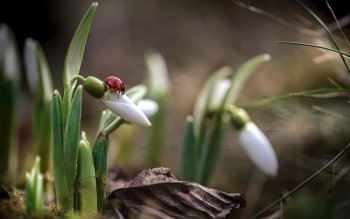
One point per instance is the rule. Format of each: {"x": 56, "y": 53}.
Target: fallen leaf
{"x": 157, "y": 192}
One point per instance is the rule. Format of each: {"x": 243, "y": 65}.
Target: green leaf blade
{"x": 100, "y": 156}
{"x": 76, "y": 48}
{"x": 64, "y": 200}
{"x": 189, "y": 153}
{"x": 71, "y": 136}
{"x": 240, "y": 77}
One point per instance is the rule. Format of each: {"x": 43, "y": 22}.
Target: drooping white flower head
{"x": 122, "y": 106}
{"x": 258, "y": 148}
{"x": 148, "y": 107}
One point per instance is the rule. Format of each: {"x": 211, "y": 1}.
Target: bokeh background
{"x": 196, "y": 37}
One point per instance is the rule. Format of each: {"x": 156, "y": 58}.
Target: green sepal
{"x": 94, "y": 86}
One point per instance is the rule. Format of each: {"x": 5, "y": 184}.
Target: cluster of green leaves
{"x": 66, "y": 115}
{"x": 202, "y": 142}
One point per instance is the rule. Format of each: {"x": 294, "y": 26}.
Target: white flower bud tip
{"x": 219, "y": 93}
{"x": 258, "y": 148}
{"x": 122, "y": 106}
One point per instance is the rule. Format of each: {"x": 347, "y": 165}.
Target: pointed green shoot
{"x": 9, "y": 92}
{"x": 87, "y": 180}
{"x": 34, "y": 192}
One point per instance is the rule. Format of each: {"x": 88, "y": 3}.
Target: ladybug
{"x": 115, "y": 84}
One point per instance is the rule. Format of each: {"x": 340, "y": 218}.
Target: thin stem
{"x": 324, "y": 26}
{"x": 338, "y": 24}
{"x": 78, "y": 77}
{"x": 301, "y": 184}
{"x": 296, "y": 94}
{"x": 112, "y": 126}
{"x": 315, "y": 46}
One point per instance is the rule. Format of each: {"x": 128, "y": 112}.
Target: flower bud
{"x": 94, "y": 86}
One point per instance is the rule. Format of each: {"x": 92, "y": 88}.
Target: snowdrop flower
{"x": 116, "y": 101}
{"x": 258, "y": 148}
{"x": 255, "y": 143}
{"x": 122, "y": 106}
{"x": 148, "y": 107}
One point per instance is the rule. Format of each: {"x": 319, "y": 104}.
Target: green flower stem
{"x": 114, "y": 125}
{"x": 78, "y": 77}
{"x": 87, "y": 180}
{"x": 210, "y": 151}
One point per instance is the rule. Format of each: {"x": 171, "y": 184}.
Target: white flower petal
{"x": 219, "y": 93}
{"x": 258, "y": 148}
{"x": 148, "y": 107}
{"x": 122, "y": 106}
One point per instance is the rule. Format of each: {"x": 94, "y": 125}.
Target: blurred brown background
{"x": 196, "y": 37}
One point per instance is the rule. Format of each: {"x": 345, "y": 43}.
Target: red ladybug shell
{"x": 115, "y": 84}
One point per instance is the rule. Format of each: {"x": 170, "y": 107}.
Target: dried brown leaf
{"x": 157, "y": 192}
